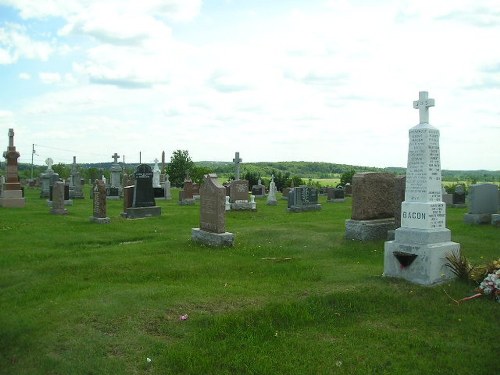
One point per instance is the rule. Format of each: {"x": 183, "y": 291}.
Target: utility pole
{"x": 32, "y": 154}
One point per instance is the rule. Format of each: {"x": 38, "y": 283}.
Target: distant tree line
{"x": 284, "y": 173}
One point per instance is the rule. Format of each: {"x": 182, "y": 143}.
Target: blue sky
{"x": 330, "y": 81}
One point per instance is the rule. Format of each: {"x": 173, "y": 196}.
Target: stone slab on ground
{"x": 212, "y": 239}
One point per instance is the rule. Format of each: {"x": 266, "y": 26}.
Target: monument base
{"x": 100, "y": 220}
{"x": 272, "y": 203}
{"x": 67, "y": 202}
{"x": 458, "y": 205}
{"x": 339, "y": 200}
{"x": 212, "y": 239}
{"x": 368, "y": 230}
{"x": 113, "y": 197}
{"x": 495, "y": 220}
{"x": 244, "y": 206}
{"x": 187, "y": 202}
{"x": 417, "y": 255}
{"x": 59, "y": 211}
{"x": 312, "y": 207}
{"x": 477, "y": 218}
{"x": 141, "y": 212}
{"x": 12, "y": 198}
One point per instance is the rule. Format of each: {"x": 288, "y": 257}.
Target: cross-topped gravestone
{"x": 237, "y": 162}
{"x": 422, "y": 243}
{"x": 49, "y": 163}
{"x": 422, "y": 104}
{"x": 115, "y": 157}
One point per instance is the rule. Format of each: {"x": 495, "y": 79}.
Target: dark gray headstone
{"x": 303, "y": 198}
{"x": 143, "y": 192}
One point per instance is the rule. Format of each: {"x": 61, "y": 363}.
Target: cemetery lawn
{"x": 292, "y": 297}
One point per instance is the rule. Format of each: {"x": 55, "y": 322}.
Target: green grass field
{"x": 292, "y": 297}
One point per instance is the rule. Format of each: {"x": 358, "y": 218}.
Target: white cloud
{"x": 25, "y": 76}
{"x": 15, "y": 44}
{"x": 49, "y": 78}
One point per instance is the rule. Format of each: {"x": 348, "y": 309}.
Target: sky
{"x": 291, "y": 80}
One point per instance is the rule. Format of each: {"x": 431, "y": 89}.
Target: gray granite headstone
{"x": 58, "y": 199}
{"x": 482, "y": 203}
{"x": 212, "y": 230}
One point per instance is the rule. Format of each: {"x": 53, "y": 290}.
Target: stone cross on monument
{"x": 49, "y": 163}
{"x": 11, "y": 137}
{"x": 237, "y": 162}
{"x": 115, "y": 157}
{"x": 422, "y": 104}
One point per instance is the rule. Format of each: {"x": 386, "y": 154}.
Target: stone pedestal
{"x": 311, "y": 207}
{"x": 12, "y": 198}
{"x": 419, "y": 255}
{"x": 477, "y": 218}
{"x": 243, "y": 206}
{"x": 368, "y": 230}
{"x": 495, "y": 220}
{"x": 100, "y": 220}
{"x": 212, "y": 239}
{"x": 141, "y": 212}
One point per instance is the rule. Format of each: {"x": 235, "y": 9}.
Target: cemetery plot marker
{"x": 422, "y": 237}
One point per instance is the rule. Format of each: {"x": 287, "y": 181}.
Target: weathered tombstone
{"x": 47, "y": 179}
{"x": 303, "y": 198}
{"x": 335, "y": 195}
{"x": 143, "y": 202}
{"x": 156, "y": 175}
{"x": 482, "y": 203}
{"x": 196, "y": 191}
{"x": 128, "y": 198}
{"x": 237, "y": 162}
{"x": 399, "y": 197}
{"x": 75, "y": 182}
{"x": 99, "y": 204}
{"x": 348, "y": 190}
{"x": 259, "y": 190}
{"x": 212, "y": 230}
{"x": 67, "y": 200}
{"x": 114, "y": 189}
{"x": 12, "y": 193}
{"x": 459, "y": 197}
{"x": 186, "y": 196}
{"x": 372, "y": 206}
{"x": 168, "y": 194}
{"x": 271, "y": 197}
{"x": 58, "y": 199}
{"x": 238, "y": 196}
{"x": 418, "y": 253}
{"x": 285, "y": 192}
{"x": 447, "y": 198}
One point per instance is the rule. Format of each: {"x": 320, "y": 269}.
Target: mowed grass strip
{"x": 292, "y": 297}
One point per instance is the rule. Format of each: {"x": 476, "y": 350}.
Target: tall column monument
{"x": 418, "y": 252}
{"x": 12, "y": 194}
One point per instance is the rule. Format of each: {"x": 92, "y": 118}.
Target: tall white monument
{"x": 418, "y": 252}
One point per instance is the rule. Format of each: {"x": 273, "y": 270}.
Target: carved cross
{"x": 11, "y": 137}
{"x": 237, "y": 162}
{"x": 422, "y": 104}
{"x": 115, "y": 157}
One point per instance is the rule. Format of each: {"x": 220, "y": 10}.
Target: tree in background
{"x": 62, "y": 170}
{"x": 252, "y": 177}
{"x": 347, "y": 177}
{"x": 180, "y": 164}
{"x": 198, "y": 173}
